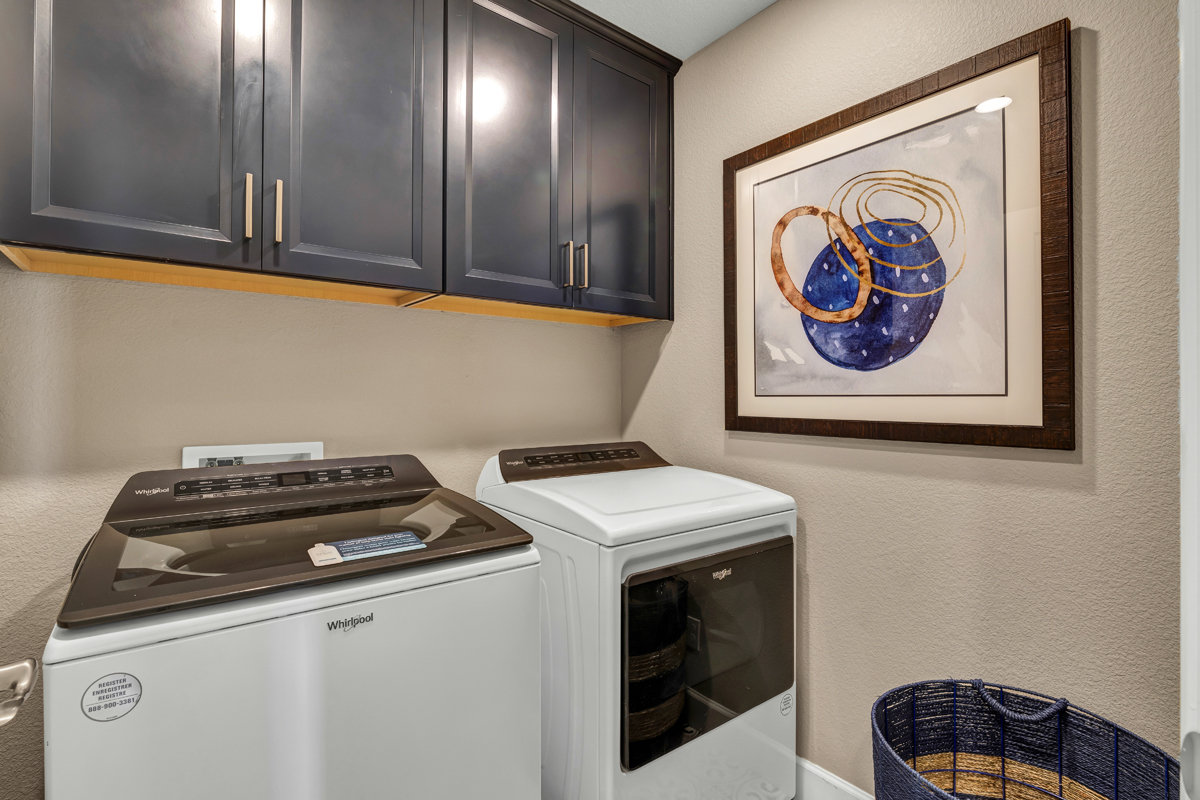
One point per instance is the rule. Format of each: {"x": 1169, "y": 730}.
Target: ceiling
{"x": 681, "y": 27}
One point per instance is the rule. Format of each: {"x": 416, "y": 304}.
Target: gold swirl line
{"x": 913, "y": 180}
{"x": 931, "y": 291}
{"x": 876, "y": 189}
{"x": 896, "y": 184}
{"x": 879, "y": 189}
{"x": 932, "y": 194}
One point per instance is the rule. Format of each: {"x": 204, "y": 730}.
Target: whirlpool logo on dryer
{"x": 159, "y": 490}
{"x": 350, "y": 623}
{"x": 722, "y": 574}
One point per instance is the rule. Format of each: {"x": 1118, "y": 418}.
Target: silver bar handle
{"x": 249, "y": 205}
{"x": 278, "y": 211}
{"x": 570, "y": 264}
{"x": 586, "y": 275}
{"x": 18, "y": 678}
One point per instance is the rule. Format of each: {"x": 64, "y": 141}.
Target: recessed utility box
{"x": 231, "y": 455}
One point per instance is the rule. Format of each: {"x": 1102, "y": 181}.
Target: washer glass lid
{"x": 135, "y": 568}
{"x": 159, "y": 554}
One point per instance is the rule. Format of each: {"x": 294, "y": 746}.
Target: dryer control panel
{"x": 581, "y": 459}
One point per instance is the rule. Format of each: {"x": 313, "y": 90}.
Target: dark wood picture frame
{"x": 1052, "y": 46}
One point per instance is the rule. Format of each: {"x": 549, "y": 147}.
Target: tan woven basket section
{"x": 987, "y": 786}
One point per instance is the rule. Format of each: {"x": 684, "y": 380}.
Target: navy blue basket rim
{"x": 942, "y": 793}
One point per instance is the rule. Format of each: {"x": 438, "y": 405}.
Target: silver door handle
{"x": 278, "y": 211}
{"x": 586, "y": 275}
{"x": 18, "y": 678}
{"x": 249, "y": 206}
{"x": 570, "y": 263}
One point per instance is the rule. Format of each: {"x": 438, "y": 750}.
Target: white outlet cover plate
{"x": 254, "y": 453}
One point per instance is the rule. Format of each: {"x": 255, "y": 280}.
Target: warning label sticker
{"x": 111, "y": 697}
{"x": 367, "y": 547}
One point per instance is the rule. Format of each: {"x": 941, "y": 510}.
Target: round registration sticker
{"x": 111, "y": 697}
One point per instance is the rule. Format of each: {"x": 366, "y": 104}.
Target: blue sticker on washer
{"x": 382, "y": 545}
{"x": 367, "y": 547}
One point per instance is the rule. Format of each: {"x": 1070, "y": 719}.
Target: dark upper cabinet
{"x": 558, "y": 163}
{"x": 353, "y": 137}
{"x": 622, "y": 205}
{"x": 508, "y": 151}
{"x": 502, "y": 149}
{"x": 129, "y": 127}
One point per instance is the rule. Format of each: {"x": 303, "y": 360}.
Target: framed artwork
{"x": 903, "y": 269}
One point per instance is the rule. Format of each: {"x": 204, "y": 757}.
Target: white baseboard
{"x": 817, "y": 783}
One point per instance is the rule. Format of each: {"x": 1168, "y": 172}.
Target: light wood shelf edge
{"x": 125, "y": 269}
{"x": 499, "y": 308}
{"x": 15, "y": 255}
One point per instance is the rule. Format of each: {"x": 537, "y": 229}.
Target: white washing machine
{"x": 327, "y": 630}
{"x": 668, "y": 623}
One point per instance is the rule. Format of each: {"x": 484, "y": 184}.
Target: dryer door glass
{"x": 702, "y": 642}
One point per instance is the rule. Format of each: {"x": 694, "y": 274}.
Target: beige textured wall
{"x": 1056, "y": 572}
{"x": 101, "y": 379}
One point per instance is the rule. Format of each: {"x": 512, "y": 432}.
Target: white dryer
{"x": 668, "y": 623}
{"x": 311, "y": 631}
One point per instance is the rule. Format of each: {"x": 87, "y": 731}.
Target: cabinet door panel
{"x": 508, "y": 209}
{"x": 130, "y": 125}
{"x": 622, "y": 179}
{"x": 353, "y": 129}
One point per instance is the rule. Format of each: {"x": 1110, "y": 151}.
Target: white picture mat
{"x": 1023, "y": 403}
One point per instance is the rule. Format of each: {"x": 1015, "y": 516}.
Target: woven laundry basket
{"x": 967, "y": 739}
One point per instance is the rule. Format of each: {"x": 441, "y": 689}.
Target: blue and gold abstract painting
{"x": 881, "y": 271}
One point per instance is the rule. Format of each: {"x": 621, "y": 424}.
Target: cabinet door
{"x": 508, "y": 152}
{"x": 622, "y": 180}
{"x": 129, "y": 127}
{"x": 354, "y": 131}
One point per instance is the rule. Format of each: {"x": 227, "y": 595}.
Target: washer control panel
{"x": 556, "y": 462}
{"x": 231, "y": 485}
{"x": 166, "y": 493}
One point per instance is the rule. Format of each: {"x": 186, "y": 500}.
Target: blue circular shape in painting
{"x": 891, "y": 326}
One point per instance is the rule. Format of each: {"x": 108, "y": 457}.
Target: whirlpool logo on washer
{"x": 350, "y": 623}
{"x": 722, "y": 574}
{"x": 159, "y": 490}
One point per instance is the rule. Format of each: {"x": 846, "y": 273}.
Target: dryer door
{"x": 702, "y": 642}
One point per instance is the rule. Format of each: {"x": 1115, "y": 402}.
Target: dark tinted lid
{"x": 184, "y": 538}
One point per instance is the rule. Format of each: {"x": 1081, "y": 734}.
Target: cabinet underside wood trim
{"x": 498, "y": 308}
{"x": 124, "y": 269}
